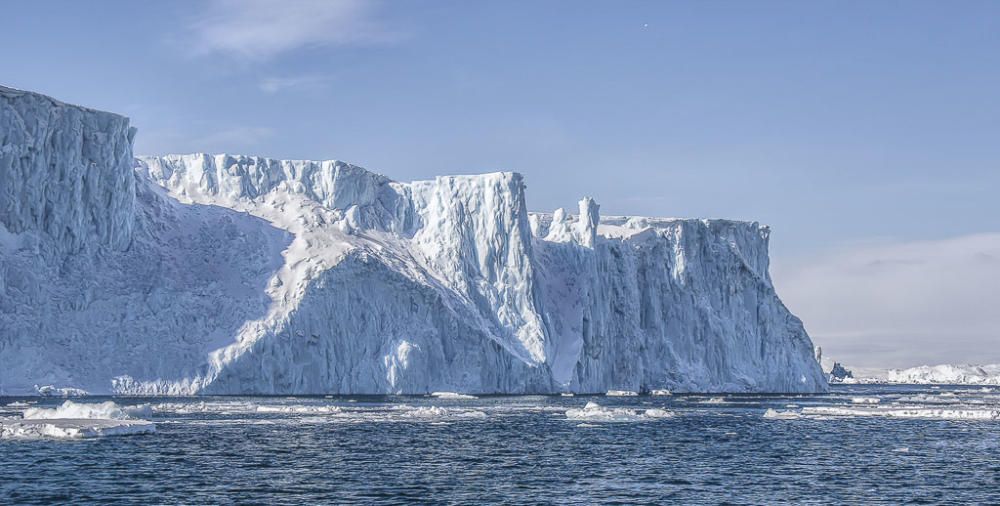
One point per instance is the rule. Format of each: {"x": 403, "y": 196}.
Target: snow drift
{"x": 233, "y": 274}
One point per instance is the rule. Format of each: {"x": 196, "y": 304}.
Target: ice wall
{"x": 231, "y": 274}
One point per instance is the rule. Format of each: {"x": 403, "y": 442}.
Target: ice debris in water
{"x": 72, "y": 428}
{"x": 452, "y": 395}
{"x": 713, "y": 400}
{"x": 437, "y": 413}
{"x": 865, "y": 400}
{"x": 781, "y": 415}
{"x": 52, "y": 391}
{"x": 661, "y": 392}
{"x": 594, "y": 412}
{"x": 73, "y": 420}
{"x": 621, "y": 393}
{"x": 107, "y": 410}
{"x": 906, "y": 412}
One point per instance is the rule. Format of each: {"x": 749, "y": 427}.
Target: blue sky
{"x": 862, "y": 132}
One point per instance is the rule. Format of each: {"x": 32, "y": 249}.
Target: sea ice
{"x": 594, "y": 412}
{"x": 781, "y": 415}
{"x": 452, "y": 395}
{"x": 621, "y": 393}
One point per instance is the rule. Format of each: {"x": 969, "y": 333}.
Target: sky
{"x": 866, "y": 134}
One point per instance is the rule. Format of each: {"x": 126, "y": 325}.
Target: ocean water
{"x": 860, "y": 444}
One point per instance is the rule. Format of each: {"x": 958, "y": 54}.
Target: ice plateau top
{"x": 234, "y": 274}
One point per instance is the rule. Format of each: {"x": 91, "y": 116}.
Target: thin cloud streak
{"x": 258, "y": 30}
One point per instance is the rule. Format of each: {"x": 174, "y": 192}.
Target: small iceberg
{"x": 72, "y": 429}
{"x": 661, "y": 393}
{"x": 73, "y": 420}
{"x": 594, "y": 412}
{"x": 865, "y": 400}
{"x": 452, "y": 395}
{"x": 438, "y": 413}
{"x": 621, "y": 393}
{"x": 781, "y": 415}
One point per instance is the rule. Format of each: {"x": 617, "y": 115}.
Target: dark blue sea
{"x": 856, "y": 445}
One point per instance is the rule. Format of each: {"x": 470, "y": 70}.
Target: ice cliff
{"x": 233, "y": 274}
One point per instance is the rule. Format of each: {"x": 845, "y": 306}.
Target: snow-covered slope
{"x": 232, "y": 274}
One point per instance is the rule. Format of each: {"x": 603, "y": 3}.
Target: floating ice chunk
{"x": 596, "y": 413}
{"x": 906, "y": 412}
{"x": 566, "y": 394}
{"x": 929, "y": 399}
{"x": 865, "y": 400}
{"x": 107, "y": 410}
{"x": 310, "y": 410}
{"x": 72, "y": 428}
{"x": 52, "y": 391}
{"x": 781, "y": 415}
{"x": 713, "y": 400}
{"x": 452, "y": 395}
{"x": 621, "y": 393}
{"x": 73, "y": 420}
{"x": 657, "y": 413}
{"x": 662, "y": 392}
{"x": 435, "y": 412}
{"x": 18, "y": 404}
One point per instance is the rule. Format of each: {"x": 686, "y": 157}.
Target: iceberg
{"x": 229, "y": 274}
{"x": 947, "y": 374}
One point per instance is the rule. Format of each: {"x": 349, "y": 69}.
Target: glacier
{"x": 225, "y": 274}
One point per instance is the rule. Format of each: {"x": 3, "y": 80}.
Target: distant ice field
{"x": 858, "y": 444}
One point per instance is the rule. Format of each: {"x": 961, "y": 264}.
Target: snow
{"x": 227, "y": 274}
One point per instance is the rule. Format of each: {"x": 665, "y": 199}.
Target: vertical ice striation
{"x": 188, "y": 274}
{"x": 65, "y": 171}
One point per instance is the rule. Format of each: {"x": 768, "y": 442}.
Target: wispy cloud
{"x": 901, "y": 304}
{"x": 261, "y": 29}
{"x": 286, "y": 83}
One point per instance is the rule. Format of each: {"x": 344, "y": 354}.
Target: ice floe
{"x": 905, "y": 412}
{"x": 83, "y": 410}
{"x": 72, "y": 428}
{"x": 865, "y": 400}
{"x": 781, "y": 415}
{"x": 621, "y": 393}
{"x": 73, "y": 420}
{"x": 594, "y": 412}
{"x": 452, "y": 395}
